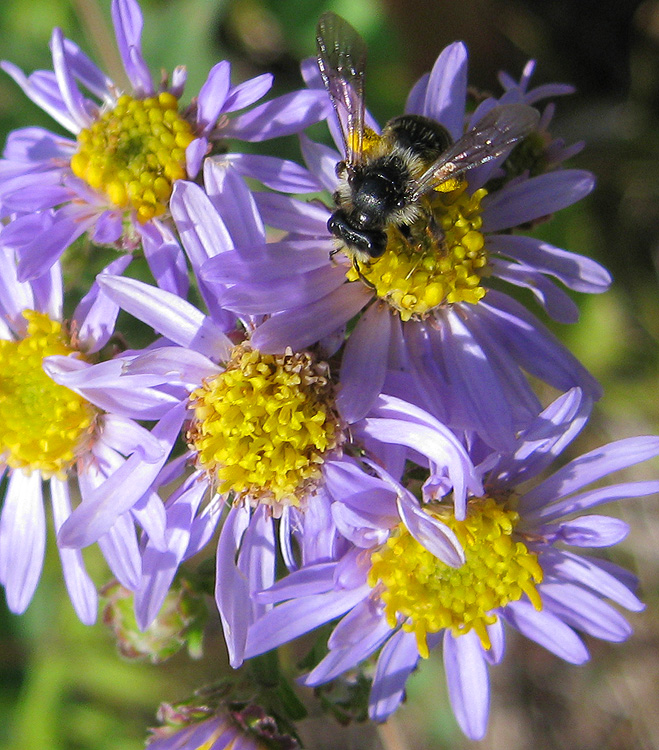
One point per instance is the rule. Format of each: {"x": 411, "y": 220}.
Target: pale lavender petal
{"x": 447, "y": 89}
{"x": 73, "y": 99}
{"x": 588, "y": 531}
{"x": 301, "y": 327}
{"x": 256, "y": 562}
{"x": 364, "y": 363}
{"x": 275, "y": 173}
{"x": 121, "y": 551}
{"x": 173, "y": 364}
{"x": 231, "y": 587}
{"x": 195, "y": 153}
{"x": 291, "y": 215}
{"x": 128, "y": 23}
{"x": 322, "y": 161}
{"x": 546, "y": 629}
{"x": 309, "y": 580}
{"x": 430, "y": 532}
{"x": 318, "y": 536}
{"x": 126, "y": 436}
{"x": 212, "y": 95}
{"x": 96, "y": 314}
{"x": 35, "y": 149}
{"x": 395, "y": 664}
{"x": 293, "y": 618}
{"x": 78, "y": 583}
{"x": 22, "y": 539}
{"x": 149, "y": 512}
{"x": 557, "y": 304}
{"x": 43, "y": 91}
{"x": 590, "y": 467}
{"x": 108, "y": 228}
{"x": 26, "y": 199}
{"x": 570, "y": 567}
{"x": 15, "y": 296}
{"x": 468, "y": 682}
{"x": 87, "y": 72}
{"x": 285, "y": 115}
{"x": 575, "y": 271}
{"x": 585, "y": 611}
{"x": 104, "y": 506}
{"x": 534, "y": 198}
{"x": 165, "y": 258}
{"x": 417, "y": 96}
{"x": 248, "y": 92}
{"x": 497, "y": 635}
{"x": 170, "y": 315}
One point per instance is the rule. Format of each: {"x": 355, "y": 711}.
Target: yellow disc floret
{"x": 43, "y": 426}
{"x": 441, "y": 261}
{"x": 430, "y": 595}
{"x": 134, "y": 153}
{"x": 263, "y": 427}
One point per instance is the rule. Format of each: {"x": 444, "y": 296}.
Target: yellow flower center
{"x": 441, "y": 261}
{"x": 43, "y": 426}
{"x": 431, "y": 595}
{"x": 134, "y": 153}
{"x": 263, "y": 427}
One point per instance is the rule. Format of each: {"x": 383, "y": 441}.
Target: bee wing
{"x": 499, "y": 129}
{"x": 342, "y": 63}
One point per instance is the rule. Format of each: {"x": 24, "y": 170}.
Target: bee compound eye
{"x": 340, "y": 169}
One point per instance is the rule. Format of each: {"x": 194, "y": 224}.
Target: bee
{"x": 383, "y": 179}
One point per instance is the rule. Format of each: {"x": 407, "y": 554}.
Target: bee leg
{"x": 355, "y": 265}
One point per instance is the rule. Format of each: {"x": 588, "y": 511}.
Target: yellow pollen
{"x": 263, "y": 427}
{"x": 134, "y": 153}
{"x": 431, "y": 595}
{"x": 439, "y": 263}
{"x": 43, "y": 426}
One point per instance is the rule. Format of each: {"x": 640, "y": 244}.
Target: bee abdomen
{"x": 423, "y": 137}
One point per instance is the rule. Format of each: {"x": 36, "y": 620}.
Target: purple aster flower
{"x": 263, "y": 434}
{"x": 115, "y": 179}
{"x": 398, "y": 598}
{"x": 427, "y": 310}
{"x": 52, "y": 435}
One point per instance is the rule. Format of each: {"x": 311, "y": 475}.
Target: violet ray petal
{"x": 126, "y": 436}
{"x": 318, "y": 535}
{"x": 291, "y": 619}
{"x": 202, "y": 231}
{"x": 35, "y": 149}
{"x": 36, "y": 198}
{"x": 149, "y": 513}
{"x": 277, "y": 174}
{"x": 169, "y": 364}
{"x": 22, "y": 539}
{"x": 203, "y": 525}
{"x": 248, "y": 92}
{"x": 285, "y": 115}
{"x": 321, "y": 161}
{"x": 96, "y": 314}
{"x": 167, "y": 313}
{"x": 49, "y": 292}
{"x": 165, "y": 258}
{"x": 121, "y": 552}
{"x": 396, "y": 662}
{"x": 291, "y": 215}
{"x": 533, "y": 198}
{"x": 47, "y": 98}
{"x": 103, "y": 506}
{"x": 80, "y": 376}
{"x": 588, "y": 531}
{"x": 430, "y": 532}
{"x": 310, "y": 580}
{"x": 73, "y": 99}
{"x": 447, "y": 89}
{"x": 417, "y": 95}
{"x": 364, "y": 363}
{"x": 547, "y": 630}
{"x": 301, "y": 327}
{"x": 497, "y": 636}
{"x": 339, "y": 660}
{"x": 195, "y": 153}
{"x": 108, "y": 228}
{"x": 592, "y": 466}
{"x": 585, "y": 611}
{"x": 15, "y": 296}
{"x": 361, "y": 528}
{"x": 159, "y": 566}
{"x": 86, "y": 71}
{"x": 365, "y": 618}
{"x": 576, "y": 569}
{"x": 268, "y": 262}
{"x": 575, "y": 271}
{"x": 348, "y": 483}
{"x": 128, "y": 23}
{"x": 44, "y": 249}
{"x": 256, "y": 559}
{"x": 544, "y": 439}
{"x": 212, "y": 95}
{"x": 234, "y": 202}
{"x": 557, "y": 304}
{"x": 468, "y": 682}
{"x": 80, "y": 586}
{"x": 284, "y": 293}
{"x": 534, "y": 347}
{"x": 231, "y": 588}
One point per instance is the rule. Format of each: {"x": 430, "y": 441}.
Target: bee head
{"x": 363, "y": 243}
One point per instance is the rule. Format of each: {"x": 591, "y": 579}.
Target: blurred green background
{"x": 63, "y": 687}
